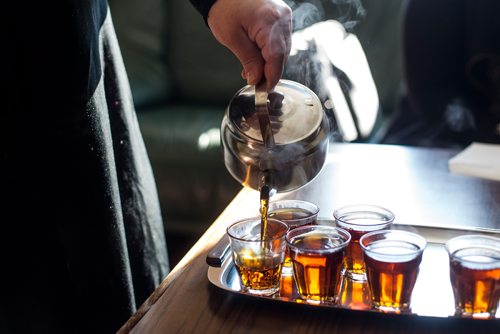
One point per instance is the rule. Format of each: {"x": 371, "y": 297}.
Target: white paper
{"x": 479, "y": 160}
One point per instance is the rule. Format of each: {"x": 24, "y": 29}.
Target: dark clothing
{"x": 84, "y": 243}
{"x": 451, "y": 58}
{"x": 203, "y": 6}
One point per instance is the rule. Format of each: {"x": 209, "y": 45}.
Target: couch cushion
{"x": 141, "y": 30}
{"x": 183, "y": 143}
{"x": 183, "y": 133}
{"x": 202, "y": 69}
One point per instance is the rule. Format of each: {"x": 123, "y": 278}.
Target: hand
{"x": 258, "y": 32}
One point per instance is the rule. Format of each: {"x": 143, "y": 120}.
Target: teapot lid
{"x": 295, "y": 112}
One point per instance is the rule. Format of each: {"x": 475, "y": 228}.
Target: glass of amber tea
{"x": 317, "y": 252}
{"x": 475, "y": 275}
{"x": 392, "y": 261}
{"x": 258, "y": 259}
{"x": 358, "y": 220}
{"x": 294, "y": 213}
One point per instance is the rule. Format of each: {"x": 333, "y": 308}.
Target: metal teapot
{"x": 300, "y": 137}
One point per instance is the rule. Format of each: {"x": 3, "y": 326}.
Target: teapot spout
{"x": 267, "y": 180}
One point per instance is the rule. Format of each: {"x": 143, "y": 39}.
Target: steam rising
{"x": 306, "y": 13}
{"x": 458, "y": 116}
{"x": 328, "y": 58}
{"x": 353, "y": 11}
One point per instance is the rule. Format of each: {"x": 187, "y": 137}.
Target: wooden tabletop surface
{"x": 414, "y": 183}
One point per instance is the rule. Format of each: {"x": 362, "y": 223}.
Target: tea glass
{"x": 475, "y": 275}
{"x": 317, "y": 252}
{"x": 294, "y": 213}
{"x": 258, "y": 260}
{"x": 358, "y": 220}
{"x": 392, "y": 261}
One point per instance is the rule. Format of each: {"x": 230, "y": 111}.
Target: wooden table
{"x": 415, "y": 183}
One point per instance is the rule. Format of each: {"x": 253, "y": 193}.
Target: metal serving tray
{"x": 432, "y": 295}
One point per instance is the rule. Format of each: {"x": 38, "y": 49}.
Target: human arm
{"x": 258, "y": 33}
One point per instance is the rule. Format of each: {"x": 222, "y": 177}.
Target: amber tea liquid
{"x": 264, "y": 208}
{"x": 359, "y": 220}
{"x": 259, "y": 273}
{"x": 476, "y": 286}
{"x": 289, "y": 216}
{"x": 355, "y": 294}
{"x": 391, "y": 283}
{"x": 353, "y": 261}
{"x": 317, "y": 274}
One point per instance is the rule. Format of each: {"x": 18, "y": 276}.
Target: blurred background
{"x": 401, "y": 72}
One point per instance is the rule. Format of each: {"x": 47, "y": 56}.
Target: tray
{"x": 432, "y": 295}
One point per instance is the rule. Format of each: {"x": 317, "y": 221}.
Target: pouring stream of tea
{"x": 261, "y": 97}
{"x": 264, "y": 207}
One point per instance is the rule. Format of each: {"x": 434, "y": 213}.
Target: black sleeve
{"x": 203, "y": 6}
